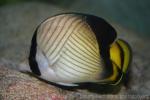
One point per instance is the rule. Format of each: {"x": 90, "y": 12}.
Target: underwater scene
{"x": 74, "y": 49}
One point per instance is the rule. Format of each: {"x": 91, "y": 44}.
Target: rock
{"x": 18, "y": 86}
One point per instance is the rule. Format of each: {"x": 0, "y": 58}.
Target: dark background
{"x": 132, "y": 14}
{"x": 19, "y": 19}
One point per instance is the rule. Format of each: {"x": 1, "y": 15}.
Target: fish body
{"x": 76, "y": 48}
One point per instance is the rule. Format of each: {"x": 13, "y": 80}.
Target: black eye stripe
{"x": 32, "y": 56}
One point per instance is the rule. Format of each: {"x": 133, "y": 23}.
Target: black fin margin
{"x": 130, "y": 51}
{"x": 121, "y": 54}
{"x": 127, "y": 75}
{"x": 102, "y": 29}
{"x": 32, "y": 56}
{"x": 105, "y": 35}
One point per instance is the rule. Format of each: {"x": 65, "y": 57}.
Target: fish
{"x": 72, "y": 48}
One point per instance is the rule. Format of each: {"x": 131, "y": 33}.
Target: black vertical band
{"x": 32, "y": 56}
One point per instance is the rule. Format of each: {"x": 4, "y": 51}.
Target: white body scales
{"x": 67, "y": 50}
